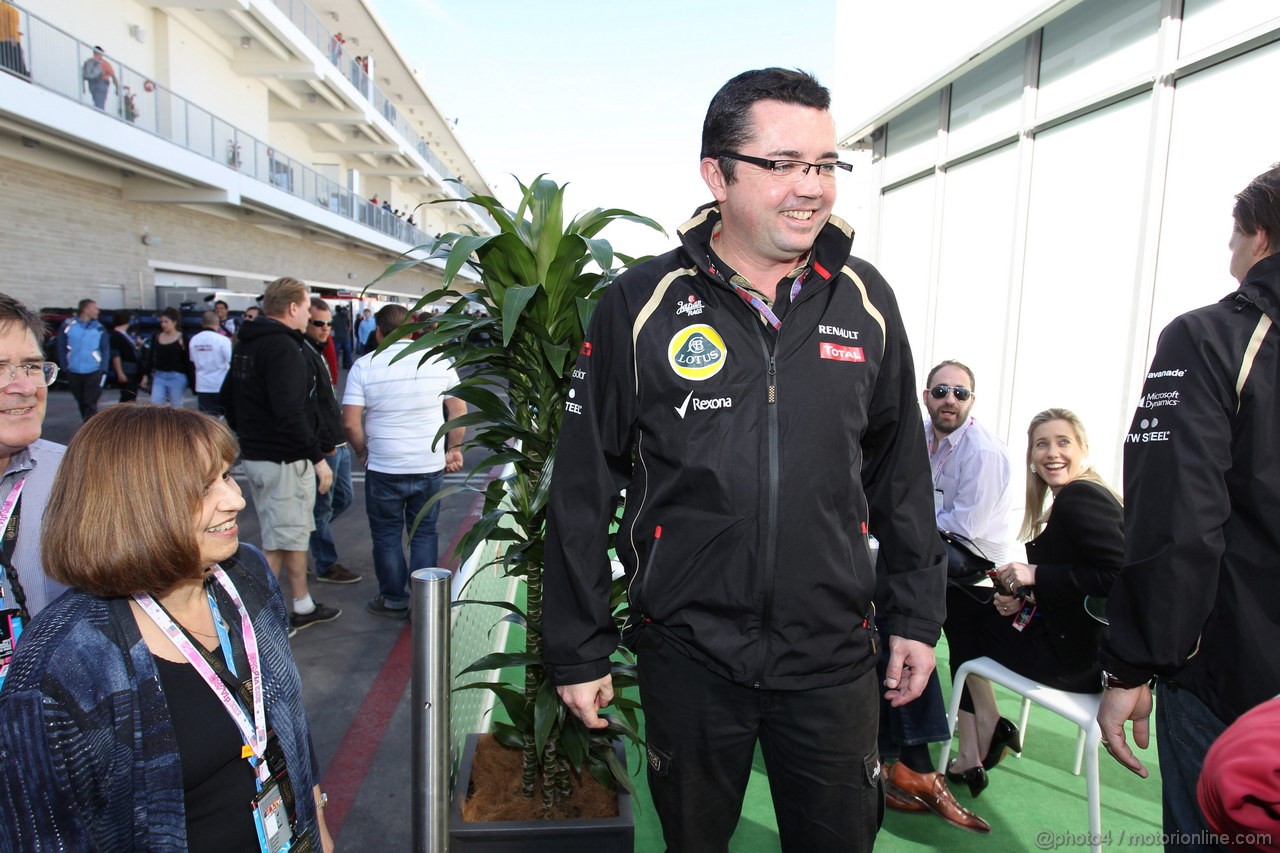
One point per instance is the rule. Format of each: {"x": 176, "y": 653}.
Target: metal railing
{"x": 318, "y": 34}
{"x": 58, "y": 62}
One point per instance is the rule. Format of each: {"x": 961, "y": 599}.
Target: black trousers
{"x": 819, "y": 749}
{"x": 86, "y": 388}
{"x": 974, "y": 629}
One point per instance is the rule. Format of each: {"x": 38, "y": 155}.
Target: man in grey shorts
{"x": 269, "y": 398}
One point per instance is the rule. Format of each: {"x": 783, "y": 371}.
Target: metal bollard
{"x": 429, "y": 705}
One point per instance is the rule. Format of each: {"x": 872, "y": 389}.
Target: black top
{"x": 218, "y": 785}
{"x": 123, "y": 347}
{"x": 171, "y": 357}
{"x": 1080, "y": 552}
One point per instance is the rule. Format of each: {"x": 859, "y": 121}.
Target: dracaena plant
{"x": 514, "y": 340}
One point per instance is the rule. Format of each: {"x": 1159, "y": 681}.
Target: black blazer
{"x": 1079, "y": 553}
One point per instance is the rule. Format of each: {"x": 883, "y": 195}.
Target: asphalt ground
{"x": 355, "y": 670}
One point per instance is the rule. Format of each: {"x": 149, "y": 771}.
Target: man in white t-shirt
{"x": 391, "y": 413}
{"x": 211, "y": 357}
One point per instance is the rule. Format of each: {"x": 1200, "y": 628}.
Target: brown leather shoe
{"x": 900, "y": 801}
{"x": 932, "y": 791}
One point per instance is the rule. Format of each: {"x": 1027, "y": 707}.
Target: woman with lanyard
{"x": 1035, "y": 622}
{"x": 156, "y": 706}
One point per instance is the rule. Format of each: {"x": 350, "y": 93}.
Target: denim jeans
{"x": 393, "y": 502}
{"x": 328, "y": 507}
{"x": 168, "y": 386}
{"x": 921, "y": 721}
{"x": 1185, "y": 729}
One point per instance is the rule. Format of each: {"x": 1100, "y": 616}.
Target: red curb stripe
{"x": 346, "y": 774}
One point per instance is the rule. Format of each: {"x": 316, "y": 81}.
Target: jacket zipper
{"x": 771, "y": 539}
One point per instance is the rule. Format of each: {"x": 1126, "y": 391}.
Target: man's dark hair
{"x": 951, "y": 362}
{"x": 121, "y": 318}
{"x": 390, "y": 317}
{"x": 727, "y": 126}
{"x": 1258, "y": 207}
{"x": 318, "y": 304}
{"x": 83, "y": 304}
{"x": 13, "y": 311}
{"x": 221, "y": 302}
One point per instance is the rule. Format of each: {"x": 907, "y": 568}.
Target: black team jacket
{"x": 754, "y": 465}
{"x": 270, "y": 394}
{"x": 1198, "y": 602}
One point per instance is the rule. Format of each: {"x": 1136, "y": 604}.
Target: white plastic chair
{"x": 1079, "y": 708}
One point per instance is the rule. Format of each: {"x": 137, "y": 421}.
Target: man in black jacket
{"x": 1198, "y": 603}
{"x": 753, "y": 392}
{"x": 271, "y": 400}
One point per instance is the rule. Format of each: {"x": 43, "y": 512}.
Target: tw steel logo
{"x": 836, "y": 352}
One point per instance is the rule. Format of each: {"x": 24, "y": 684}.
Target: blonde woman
{"x": 1036, "y": 623}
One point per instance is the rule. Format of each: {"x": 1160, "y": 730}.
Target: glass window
{"x": 1207, "y": 22}
{"x": 1084, "y": 230}
{"x": 986, "y": 103}
{"x": 912, "y": 142}
{"x": 1095, "y": 46}
{"x": 906, "y": 223}
{"x": 1203, "y": 178}
{"x": 978, "y": 226}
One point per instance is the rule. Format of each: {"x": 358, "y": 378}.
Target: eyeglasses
{"x": 940, "y": 392}
{"x": 41, "y": 373}
{"x": 791, "y": 170}
{"x": 320, "y": 324}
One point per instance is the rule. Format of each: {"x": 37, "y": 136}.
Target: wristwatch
{"x": 1112, "y": 682}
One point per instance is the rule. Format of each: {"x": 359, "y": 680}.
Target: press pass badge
{"x": 271, "y": 819}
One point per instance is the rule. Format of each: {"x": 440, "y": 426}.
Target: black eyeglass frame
{"x": 772, "y": 165}
{"x": 940, "y": 392}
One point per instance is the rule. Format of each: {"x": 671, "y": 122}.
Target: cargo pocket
{"x": 875, "y": 785}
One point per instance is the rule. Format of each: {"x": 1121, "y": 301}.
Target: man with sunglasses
{"x": 971, "y": 497}
{"x": 753, "y": 393}
{"x": 333, "y": 503}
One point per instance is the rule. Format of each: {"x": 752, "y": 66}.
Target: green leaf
{"x": 512, "y": 307}
{"x": 502, "y": 660}
{"x": 512, "y": 701}
{"x": 547, "y": 708}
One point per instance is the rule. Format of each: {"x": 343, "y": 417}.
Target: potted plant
{"x": 519, "y": 332}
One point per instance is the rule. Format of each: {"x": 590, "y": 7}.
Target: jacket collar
{"x": 830, "y": 250}
{"x": 1261, "y": 286}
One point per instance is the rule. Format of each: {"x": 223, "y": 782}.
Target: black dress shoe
{"x": 974, "y": 777}
{"x": 1005, "y": 737}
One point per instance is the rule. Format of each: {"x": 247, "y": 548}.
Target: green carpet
{"x": 1032, "y": 803}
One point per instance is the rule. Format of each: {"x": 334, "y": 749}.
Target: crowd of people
{"x": 796, "y": 538}
{"x": 145, "y": 661}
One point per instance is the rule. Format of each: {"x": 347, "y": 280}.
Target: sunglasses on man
{"x": 940, "y": 392}
{"x": 320, "y": 324}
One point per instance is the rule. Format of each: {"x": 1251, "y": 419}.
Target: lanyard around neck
{"x": 253, "y": 730}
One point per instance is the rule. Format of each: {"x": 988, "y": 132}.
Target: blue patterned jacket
{"x": 88, "y": 756}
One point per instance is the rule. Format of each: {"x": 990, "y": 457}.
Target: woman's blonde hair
{"x": 129, "y": 527}
{"x": 1036, "y": 514}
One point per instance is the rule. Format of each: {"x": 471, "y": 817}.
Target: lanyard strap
{"x": 10, "y": 503}
{"x": 9, "y": 514}
{"x": 253, "y": 730}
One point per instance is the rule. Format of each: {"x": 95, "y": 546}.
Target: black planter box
{"x": 594, "y": 835}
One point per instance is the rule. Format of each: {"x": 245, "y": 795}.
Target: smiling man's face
{"x": 22, "y": 402}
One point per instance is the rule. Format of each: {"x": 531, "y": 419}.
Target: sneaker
{"x": 321, "y": 614}
{"x": 339, "y": 573}
{"x": 378, "y": 607}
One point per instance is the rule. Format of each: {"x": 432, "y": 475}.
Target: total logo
{"x": 1149, "y": 432}
{"x": 697, "y": 352}
{"x": 692, "y": 306}
{"x": 703, "y": 404}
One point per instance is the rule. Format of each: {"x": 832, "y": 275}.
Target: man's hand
{"x": 910, "y": 662}
{"x": 1118, "y": 707}
{"x": 587, "y": 698}
{"x": 453, "y": 459}
{"x": 324, "y": 477}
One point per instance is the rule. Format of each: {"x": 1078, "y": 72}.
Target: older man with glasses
{"x": 28, "y": 463}
{"x": 753, "y": 393}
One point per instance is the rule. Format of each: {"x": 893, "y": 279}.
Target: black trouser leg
{"x": 86, "y": 388}
{"x": 819, "y": 747}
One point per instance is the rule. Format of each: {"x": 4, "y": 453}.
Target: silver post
{"x": 429, "y": 705}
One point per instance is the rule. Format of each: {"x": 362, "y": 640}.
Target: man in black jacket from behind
{"x": 270, "y": 398}
{"x": 754, "y": 394}
{"x": 1198, "y": 603}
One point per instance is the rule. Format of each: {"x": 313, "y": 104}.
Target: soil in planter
{"x": 494, "y": 792}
